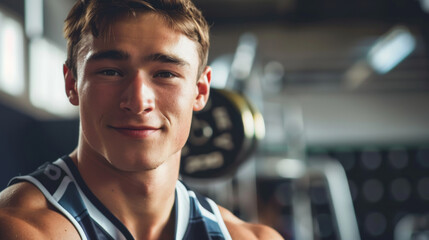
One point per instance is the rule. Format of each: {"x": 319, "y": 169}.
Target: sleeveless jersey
{"x": 197, "y": 217}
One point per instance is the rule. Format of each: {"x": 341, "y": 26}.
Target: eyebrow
{"x": 109, "y": 54}
{"x": 165, "y": 58}
{"x": 122, "y": 55}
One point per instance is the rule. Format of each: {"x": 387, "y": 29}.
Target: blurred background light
{"x": 11, "y": 56}
{"x": 46, "y": 78}
{"x": 221, "y": 67}
{"x": 244, "y": 56}
{"x": 34, "y": 18}
{"x": 273, "y": 76}
{"x": 391, "y": 49}
{"x": 290, "y": 168}
{"x": 425, "y": 5}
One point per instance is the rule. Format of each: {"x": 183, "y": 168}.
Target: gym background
{"x": 343, "y": 88}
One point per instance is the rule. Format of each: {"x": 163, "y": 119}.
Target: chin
{"x": 136, "y": 163}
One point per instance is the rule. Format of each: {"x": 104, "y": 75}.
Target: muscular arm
{"x": 243, "y": 230}
{"x": 25, "y": 214}
{"x": 12, "y": 227}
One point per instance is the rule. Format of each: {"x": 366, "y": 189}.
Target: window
{"x": 46, "y": 78}
{"x": 12, "y": 67}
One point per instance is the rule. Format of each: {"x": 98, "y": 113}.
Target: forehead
{"x": 143, "y": 34}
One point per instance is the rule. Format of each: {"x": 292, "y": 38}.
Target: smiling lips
{"x": 136, "y": 132}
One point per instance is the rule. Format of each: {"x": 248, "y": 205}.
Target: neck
{"x": 142, "y": 200}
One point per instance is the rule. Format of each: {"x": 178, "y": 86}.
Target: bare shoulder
{"x": 26, "y": 214}
{"x": 243, "y": 230}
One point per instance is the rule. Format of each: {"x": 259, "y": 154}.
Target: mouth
{"x": 139, "y": 132}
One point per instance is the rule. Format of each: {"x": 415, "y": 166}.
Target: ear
{"x": 71, "y": 85}
{"x": 203, "y": 89}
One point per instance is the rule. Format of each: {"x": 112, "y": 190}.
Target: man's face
{"x": 136, "y": 92}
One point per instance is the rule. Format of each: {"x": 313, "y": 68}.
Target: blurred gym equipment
{"x": 222, "y": 136}
{"x": 412, "y": 227}
{"x": 225, "y": 134}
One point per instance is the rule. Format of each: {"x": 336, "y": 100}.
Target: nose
{"x": 138, "y": 97}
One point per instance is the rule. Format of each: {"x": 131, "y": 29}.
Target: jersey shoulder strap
{"x": 58, "y": 185}
{"x": 60, "y": 191}
{"x": 204, "y": 220}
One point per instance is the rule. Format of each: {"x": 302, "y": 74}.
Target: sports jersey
{"x": 197, "y": 217}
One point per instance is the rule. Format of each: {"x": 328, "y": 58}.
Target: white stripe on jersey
{"x": 219, "y": 216}
{"x": 95, "y": 214}
{"x": 204, "y": 211}
{"x": 183, "y": 209}
{"x": 62, "y": 188}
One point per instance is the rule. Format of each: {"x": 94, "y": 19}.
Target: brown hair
{"x": 97, "y": 16}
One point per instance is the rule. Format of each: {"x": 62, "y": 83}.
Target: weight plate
{"x": 222, "y": 136}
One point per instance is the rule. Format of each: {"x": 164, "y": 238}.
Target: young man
{"x": 137, "y": 70}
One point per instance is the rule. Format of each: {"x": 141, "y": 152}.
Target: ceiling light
{"x": 391, "y": 49}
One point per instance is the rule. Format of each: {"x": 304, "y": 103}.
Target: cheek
{"x": 180, "y": 109}
{"x": 89, "y": 100}
{"x": 89, "y": 111}
{"x": 186, "y": 119}
{"x": 97, "y": 95}
{"x": 95, "y": 102}
{"x": 183, "y": 126}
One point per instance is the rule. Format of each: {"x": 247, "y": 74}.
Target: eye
{"x": 165, "y": 75}
{"x": 110, "y": 72}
